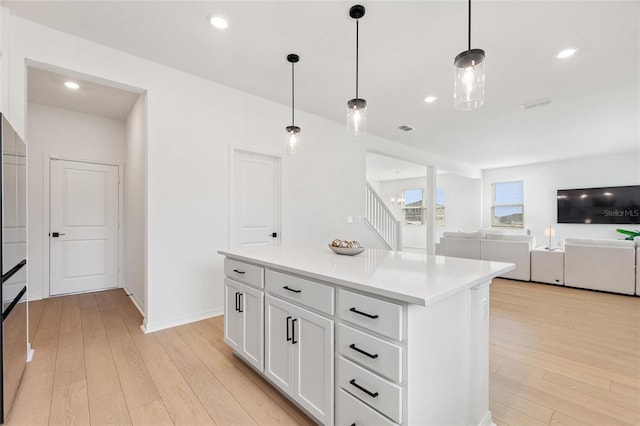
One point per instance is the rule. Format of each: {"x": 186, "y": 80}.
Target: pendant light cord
{"x": 292, "y": 95}
{"x": 469, "y": 25}
{"x": 357, "y": 43}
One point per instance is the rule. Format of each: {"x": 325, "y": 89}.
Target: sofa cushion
{"x": 509, "y": 237}
{"x": 597, "y": 242}
{"x": 487, "y": 231}
{"x": 466, "y": 235}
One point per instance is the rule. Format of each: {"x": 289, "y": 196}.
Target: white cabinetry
{"x": 244, "y": 311}
{"x": 243, "y": 321}
{"x": 299, "y": 356}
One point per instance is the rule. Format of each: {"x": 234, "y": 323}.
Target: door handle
{"x": 288, "y": 336}
{"x": 55, "y": 234}
{"x": 273, "y": 235}
{"x": 237, "y": 294}
{"x": 240, "y": 302}
{"x": 293, "y": 331}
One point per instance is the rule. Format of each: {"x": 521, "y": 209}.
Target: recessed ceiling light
{"x": 71, "y": 85}
{"x": 430, "y": 99}
{"x": 218, "y": 22}
{"x": 566, "y": 53}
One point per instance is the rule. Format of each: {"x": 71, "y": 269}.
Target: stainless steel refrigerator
{"x": 13, "y": 233}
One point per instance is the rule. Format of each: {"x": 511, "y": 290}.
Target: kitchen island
{"x": 383, "y": 337}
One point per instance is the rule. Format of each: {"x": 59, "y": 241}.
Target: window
{"x": 507, "y": 209}
{"x": 440, "y": 206}
{"x": 414, "y": 211}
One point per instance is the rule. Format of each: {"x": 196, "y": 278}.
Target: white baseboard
{"x": 30, "y": 352}
{"x": 150, "y": 327}
{"x": 135, "y": 301}
{"x": 487, "y": 420}
{"x": 34, "y": 296}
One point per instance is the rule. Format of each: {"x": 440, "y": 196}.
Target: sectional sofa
{"x": 595, "y": 264}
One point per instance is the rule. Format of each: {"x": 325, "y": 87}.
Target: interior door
{"x": 255, "y": 200}
{"x": 83, "y": 227}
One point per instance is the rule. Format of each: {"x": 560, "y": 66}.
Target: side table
{"x": 547, "y": 266}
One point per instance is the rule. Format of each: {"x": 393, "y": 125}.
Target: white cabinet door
{"x": 232, "y": 316}
{"x": 314, "y": 364}
{"x": 243, "y": 321}
{"x": 251, "y": 305}
{"x": 279, "y": 350}
{"x": 299, "y": 356}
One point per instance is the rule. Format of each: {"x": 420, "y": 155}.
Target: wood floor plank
{"x": 262, "y": 408}
{"x": 109, "y": 410}
{"x": 183, "y": 405}
{"x": 206, "y": 352}
{"x": 223, "y": 408}
{"x": 102, "y": 375}
{"x": 153, "y": 413}
{"x": 33, "y": 401}
{"x": 176, "y": 348}
{"x": 70, "y": 405}
{"x": 70, "y": 360}
{"x": 137, "y": 385}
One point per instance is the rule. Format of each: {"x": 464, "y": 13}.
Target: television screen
{"x": 610, "y": 205}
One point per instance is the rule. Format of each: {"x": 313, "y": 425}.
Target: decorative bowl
{"x": 346, "y": 251}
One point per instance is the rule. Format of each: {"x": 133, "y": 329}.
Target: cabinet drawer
{"x": 377, "y": 392}
{"x": 304, "y": 292}
{"x": 373, "y": 314}
{"x": 244, "y": 272}
{"x": 351, "y": 411}
{"x": 376, "y": 354}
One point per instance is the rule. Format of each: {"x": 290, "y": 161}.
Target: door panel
{"x": 233, "y": 318}
{"x": 253, "y": 344}
{"x": 314, "y": 388}
{"x": 255, "y": 214}
{"x": 84, "y": 213}
{"x": 279, "y": 360}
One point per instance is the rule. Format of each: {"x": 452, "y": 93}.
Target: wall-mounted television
{"x": 609, "y": 205}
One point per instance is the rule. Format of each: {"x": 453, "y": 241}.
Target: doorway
{"x": 84, "y": 221}
{"x": 255, "y": 199}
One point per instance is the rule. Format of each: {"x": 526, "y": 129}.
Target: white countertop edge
{"x": 402, "y": 297}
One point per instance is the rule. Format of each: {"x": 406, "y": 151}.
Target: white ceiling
{"x": 47, "y": 88}
{"x": 406, "y": 52}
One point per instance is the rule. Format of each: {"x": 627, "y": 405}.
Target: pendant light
{"x": 293, "y": 131}
{"x": 469, "y": 71}
{"x": 356, "y": 107}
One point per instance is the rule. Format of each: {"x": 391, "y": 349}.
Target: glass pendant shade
{"x": 293, "y": 131}
{"x": 293, "y": 138}
{"x": 357, "y": 117}
{"x": 469, "y": 79}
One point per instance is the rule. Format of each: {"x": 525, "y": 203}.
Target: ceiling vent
{"x": 535, "y": 104}
{"x": 406, "y": 128}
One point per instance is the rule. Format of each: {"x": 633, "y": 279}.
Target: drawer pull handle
{"x": 238, "y": 272}
{"x": 286, "y": 287}
{"x": 293, "y": 331}
{"x": 363, "y": 313}
{"x": 357, "y": 349}
{"x": 288, "y": 336}
{"x": 357, "y": 386}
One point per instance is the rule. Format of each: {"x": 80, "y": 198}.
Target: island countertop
{"x": 407, "y": 277}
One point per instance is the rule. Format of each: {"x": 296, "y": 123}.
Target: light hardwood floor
{"x": 558, "y": 356}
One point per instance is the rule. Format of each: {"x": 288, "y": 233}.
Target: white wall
{"x": 135, "y": 203}
{"x": 192, "y": 124}
{"x": 462, "y": 206}
{"x": 541, "y": 181}
{"x": 462, "y": 197}
{"x": 63, "y": 133}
